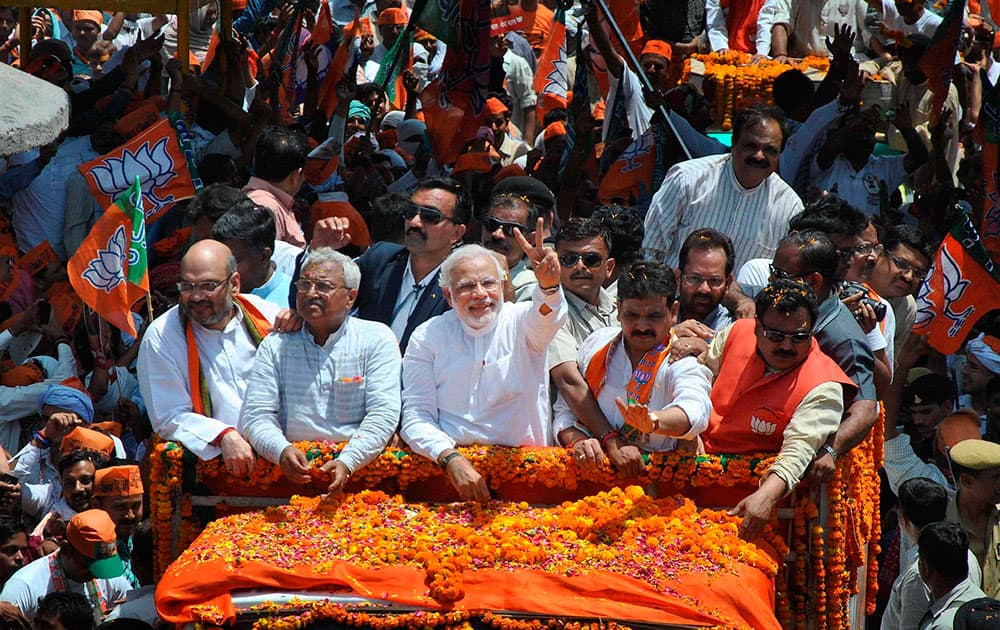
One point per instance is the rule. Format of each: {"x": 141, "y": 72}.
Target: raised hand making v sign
{"x": 544, "y": 260}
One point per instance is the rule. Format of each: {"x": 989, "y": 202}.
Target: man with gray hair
{"x": 335, "y": 379}
{"x": 477, "y": 374}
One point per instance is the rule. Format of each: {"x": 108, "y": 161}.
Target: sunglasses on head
{"x": 493, "y": 224}
{"x": 428, "y": 215}
{"x": 590, "y": 259}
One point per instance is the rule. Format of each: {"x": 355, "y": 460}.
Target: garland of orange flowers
{"x": 822, "y": 593}
{"x": 739, "y": 83}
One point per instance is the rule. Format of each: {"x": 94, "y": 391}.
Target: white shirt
{"x": 406, "y": 300}
{"x": 718, "y": 33}
{"x": 812, "y": 22}
{"x": 40, "y": 480}
{"x": 926, "y": 24}
{"x": 345, "y": 390}
{"x": 910, "y": 599}
{"x": 487, "y": 386}
{"x": 284, "y": 257}
{"x": 38, "y": 211}
{"x": 22, "y": 401}
{"x": 686, "y": 384}
{"x": 226, "y": 360}
{"x": 704, "y": 192}
{"x": 518, "y": 84}
{"x": 34, "y": 581}
{"x": 862, "y": 188}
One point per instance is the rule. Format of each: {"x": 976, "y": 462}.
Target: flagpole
{"x": 634, "y": 63}
{"x": 407, "y": 31}
{"x": 109, "y": 357}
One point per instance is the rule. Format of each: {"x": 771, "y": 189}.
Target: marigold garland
{"x": 738, "y": 83}
{"x": 817, "y": 584}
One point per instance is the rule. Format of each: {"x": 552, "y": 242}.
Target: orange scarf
{"x": 257, "y": 326}
{"x": 640, "y": 386}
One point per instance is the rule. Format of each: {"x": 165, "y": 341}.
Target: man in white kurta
{"x": 739, "y": 194}
{"x": 335, "y": 379}
{"x": 477, "y": 374}
{"x": 225, "y": 351}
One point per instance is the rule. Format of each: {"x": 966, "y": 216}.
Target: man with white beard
{"x": 477, "y": 374}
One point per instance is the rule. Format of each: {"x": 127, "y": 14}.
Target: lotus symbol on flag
{"x": 762, "y": 427}
{"x": 106, "y": 271}
{"x": 155, "y": 169}
{"x": 635, "y": 151}
{"x": 954, "y": 288}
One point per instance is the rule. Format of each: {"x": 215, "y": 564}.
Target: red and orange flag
{"x": 938, "y": 62}
{"x": 961, "y": 286}
{"x": 160, "y": 156}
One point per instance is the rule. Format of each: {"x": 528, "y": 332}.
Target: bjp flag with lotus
{"x": 109, "y": 270}
{"x": 961, "y": 286}
{"x": 162, "y": 159}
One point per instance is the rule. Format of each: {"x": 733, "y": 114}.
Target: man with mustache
{"x": 703, "y": 278}
{"x": 118, "y": 491}
{"x": 399, "y": 283}
{"x": 508, "y": 211}
{"x": 335, "y": 379}
{"x": 195, "y": 360}
{"x": 740, "y": 194}
{"x": 775, "y": 391}
{"x": 477, "y": 374}
{"x": 628, "y": 373}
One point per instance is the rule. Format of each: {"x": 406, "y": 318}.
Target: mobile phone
{"x": 9, "y": 478}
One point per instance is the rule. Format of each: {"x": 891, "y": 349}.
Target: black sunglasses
{"x": 590, "y": 259}
{"x": 430, "y": 216}
{"x": 778, "y": 336}
{"x": 492, "y": 224}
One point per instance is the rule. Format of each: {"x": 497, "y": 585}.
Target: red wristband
{"x": 569, "y": 447}
{"x": 218, "y": 438}
{"x": 607, "y": 436}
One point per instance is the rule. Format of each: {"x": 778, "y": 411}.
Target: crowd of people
{"x": 335, "y": 277}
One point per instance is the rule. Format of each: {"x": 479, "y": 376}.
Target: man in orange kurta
{"x": 774, "y": 391}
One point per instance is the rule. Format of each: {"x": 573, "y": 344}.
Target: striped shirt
{"x": 704, "y": 192}
{"x": 348, "y": 389}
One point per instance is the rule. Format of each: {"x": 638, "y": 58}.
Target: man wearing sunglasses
{"x": 399, "y": 283}
{"x": 775, "y": 391}
{"x": 213, "y": 334}
{"x": 508, "y": 211}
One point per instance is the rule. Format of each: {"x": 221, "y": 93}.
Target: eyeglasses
{"x": 694, "y": 280}
{"x": 778, "y": 336}
{"x": 904, "y": 265}
{"x": 208, "y": 286}
{"x": 590, "y": 259}
{"x": 860, "y": 250}
{"x": 492, "y": 224}
{"x": 428, "y": 215}
{"x": 780, "y": 274}
{"x": 321, "y": 287}
{"x": 466, "y": 287}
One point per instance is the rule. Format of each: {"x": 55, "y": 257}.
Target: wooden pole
{"x": 24, "y": 22}
{"x": 184, "y": 34}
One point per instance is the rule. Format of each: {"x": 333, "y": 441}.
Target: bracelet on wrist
{"x": 830, "y": 450}
{"x": 569, "y": 447}
{"x": 447, "y": 459}
{"x": 606, "y": 437}
{"x": 41, "y": 439}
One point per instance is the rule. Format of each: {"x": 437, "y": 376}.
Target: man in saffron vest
{"x": 629, "y": 374}
{"x": 195, "y": 359}
{"x": 775, "y": 391}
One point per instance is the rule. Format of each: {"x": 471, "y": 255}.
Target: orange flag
{"x": 551, "y": 76}
{"x": 99, "y": 271}
{"x": 160, "y": 156}
{"x": 626, "y": 13}
{"x": 961, "y": 286}
{"x": 323, "y": 30}
{"x": 938, "y": 62}
{"x": 343, "y": 60}
{"x": 628, "y": 178}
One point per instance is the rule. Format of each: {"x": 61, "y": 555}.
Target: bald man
{"x": 213, "y": 333}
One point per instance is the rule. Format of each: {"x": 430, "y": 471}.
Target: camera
{"x": 853, "y": 288}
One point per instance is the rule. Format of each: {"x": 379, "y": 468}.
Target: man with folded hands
{"x": 337, "y": 378}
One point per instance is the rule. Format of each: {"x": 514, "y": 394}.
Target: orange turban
{"x": 958, "y": 427}
{"x": 83, "y": 439}
{"x": 110, "y": 427}
{"x": 554, "y": 130}
{"x": 118, "y": 481}
{"x": 658, "y": 47}
{"x": 474, "y": 162}
{"x": 495, "y": 107}
{"x": 94, "y": 16}
{"x": 27, "y": 374}
{"x": 392, "y": 16}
